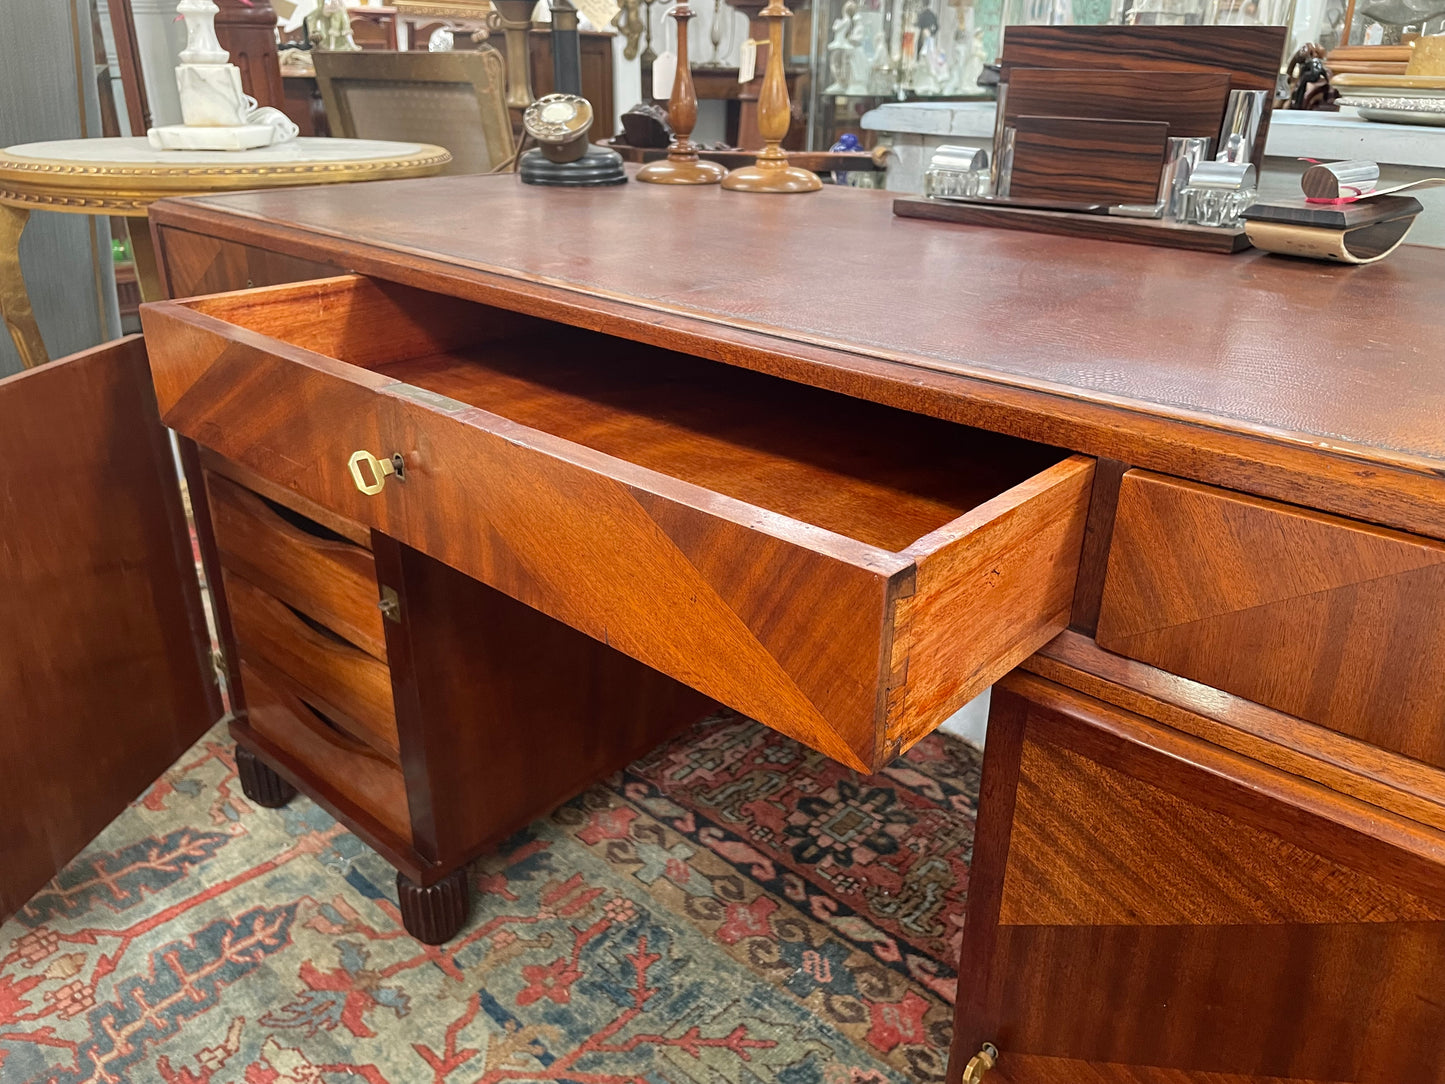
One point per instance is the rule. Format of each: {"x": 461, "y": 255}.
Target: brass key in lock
{"x": 377, "y": 468}
{"x": 980, "y": 1064}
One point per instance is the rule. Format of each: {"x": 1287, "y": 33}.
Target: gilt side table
{"x": 123, "y": 176}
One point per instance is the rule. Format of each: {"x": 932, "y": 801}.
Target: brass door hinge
{"x": 980, "y": 1064}
{"x": 390, "y": 604}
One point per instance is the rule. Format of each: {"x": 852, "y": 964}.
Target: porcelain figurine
{"x": 218, "y": 114}
{"x": 840, "y": 49}
{"x": 329, "y": 28}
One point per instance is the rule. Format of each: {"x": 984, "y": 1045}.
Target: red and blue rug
{"x": 731, "y": 908}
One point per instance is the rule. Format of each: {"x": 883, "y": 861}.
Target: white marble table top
{"x": 137, "y": 151}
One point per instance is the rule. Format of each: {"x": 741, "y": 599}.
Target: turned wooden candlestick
{"x": 682, "y": 165}
{"x": 771, "y": 172}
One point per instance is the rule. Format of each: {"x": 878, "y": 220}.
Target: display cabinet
{"x": 866, "y": 52}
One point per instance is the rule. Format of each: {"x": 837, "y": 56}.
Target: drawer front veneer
{"x": 854, "y": 649}
{"x": 345, "y": 683}
{"x": 346, "y": 775}
{"x": 328, "y": 579}
{"x": 1333, "y": 621}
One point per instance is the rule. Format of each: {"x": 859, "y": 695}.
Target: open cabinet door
{"x": 1147, "y": 908}
{"x": 103, "y": 645}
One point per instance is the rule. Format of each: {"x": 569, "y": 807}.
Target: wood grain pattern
{"x": 1082, "y": 160}
{"x": 101, "y": 623}
{"x": 1377, "y": 776}
{"x": 1297, "y": 950}
{"x": 677, "y": 574}
{"x": 299, "y": 562}
{"x": 1088, "y": 227}
{"x": 1094, "y": 554}
{"x": 1220, "y": 871}
{"x": 1014, "y": 555}
{"x": 1250, "y": 54}
{"x": 506, "y": 713}
{"x": 1242, "y": 398}
{"x": 342, "y": 682}
{"x": 346, "y": 776}
{"x": 192, "y": 264}
{"x": 1333, "y": 621}
{"x": 1191, "y": 103}
{"x": 221, "y": 467}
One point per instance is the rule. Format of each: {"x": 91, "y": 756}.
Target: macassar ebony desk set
{"x": 491, "y": 506}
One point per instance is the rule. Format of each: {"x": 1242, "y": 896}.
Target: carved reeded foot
{"x": 434, "y": 914}
{"x": 259, "y": 783}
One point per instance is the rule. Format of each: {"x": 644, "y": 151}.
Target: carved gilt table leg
{"x": 14, "y": 299}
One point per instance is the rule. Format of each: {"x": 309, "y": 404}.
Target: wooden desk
{"x": 1187, "y": 512}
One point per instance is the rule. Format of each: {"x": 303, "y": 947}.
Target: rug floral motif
{"x": 731, "y": 908}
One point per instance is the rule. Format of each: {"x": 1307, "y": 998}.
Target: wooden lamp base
{"x": 682, "y": 171}
{"x": 772, "y": 175}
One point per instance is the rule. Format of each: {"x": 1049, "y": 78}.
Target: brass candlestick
{"x": 771, "y": 172}
{"x": 682, "y": 165}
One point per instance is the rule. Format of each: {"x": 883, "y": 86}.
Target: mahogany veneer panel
{"x": 305, "y": 565}
{"x": 1082, "y": 160}
{"x": 103, "y": 674}
{"x": 878, "y": 475}
{"x": 1190, "y": 102}
{"x": 1378, "y": 776}
{"x": 1158, "y": 910}
{"x": 790, "y": 621}
{"x": 350, "y": 530}
{"x": 507, "y": 713}
{"x": 346, "y": 776}
{"x": 346, "y": 684}
{"x": 1334, "y": 621}
{"x": 192, "y": 263}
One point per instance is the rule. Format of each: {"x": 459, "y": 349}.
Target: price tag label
{"x": 748, "y": 60}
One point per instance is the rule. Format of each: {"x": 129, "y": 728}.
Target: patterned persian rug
{"x": 731, "y": 908}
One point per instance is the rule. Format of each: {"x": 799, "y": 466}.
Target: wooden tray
{"x": 1137, "y": 231}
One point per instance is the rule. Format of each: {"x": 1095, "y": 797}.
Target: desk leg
{"x": 14, "y": 299}
{"x": 147, "y": 272}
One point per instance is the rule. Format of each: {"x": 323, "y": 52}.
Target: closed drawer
{"x": 1337, "y": 622}
{"x": 1146, "y": 907}
{"x": 346, "y": 684}
{"x": 844, "y": 572}
{"x": 307, "y": 566}
{"x": 347, "y": 775}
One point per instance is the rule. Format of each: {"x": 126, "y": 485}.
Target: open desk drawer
{"x": 844, "y": 572}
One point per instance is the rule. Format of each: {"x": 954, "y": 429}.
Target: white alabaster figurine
{"x": 218, "y": 115}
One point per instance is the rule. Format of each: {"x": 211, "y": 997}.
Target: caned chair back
{"x": 455, "y": 100}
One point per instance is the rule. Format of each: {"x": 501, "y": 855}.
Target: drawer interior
{"x": 883, "y": 476}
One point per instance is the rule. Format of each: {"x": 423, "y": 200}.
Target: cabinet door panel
{"x": 102, "y": 636}
{"x": 1151, "y": 909}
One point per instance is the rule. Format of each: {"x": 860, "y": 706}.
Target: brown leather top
{"x": 1314, "y": 353}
